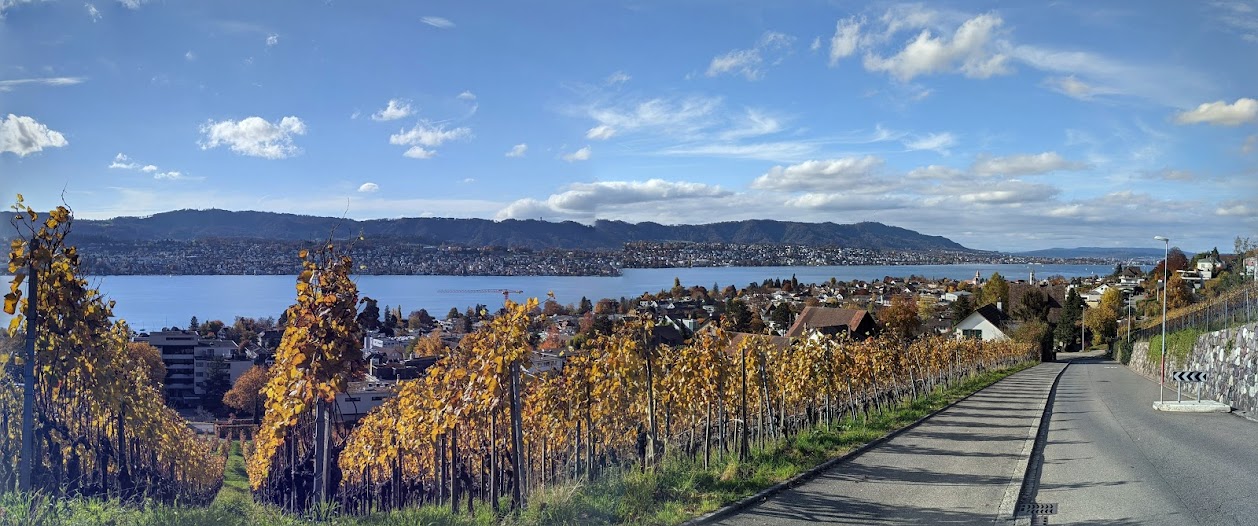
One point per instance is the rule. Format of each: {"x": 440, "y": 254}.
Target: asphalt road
{"x": 954, "y": 468}
{"x": 1111, "y": 459}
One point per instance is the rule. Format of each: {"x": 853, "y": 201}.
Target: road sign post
{"x": 1188, "y": 376}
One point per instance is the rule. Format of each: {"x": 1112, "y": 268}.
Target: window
{"x": 972, "y": 334}
{"x": 352, "y": 399}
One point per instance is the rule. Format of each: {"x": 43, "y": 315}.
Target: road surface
{"x": 954, "y": 468}
{"x": 1110, "y": 459}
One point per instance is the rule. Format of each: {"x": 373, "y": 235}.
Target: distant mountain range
{"x": 186, "y": 225}
{"x": 1136, "y": 253}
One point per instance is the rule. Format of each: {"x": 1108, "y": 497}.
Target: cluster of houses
{"x": 827, "y": 308}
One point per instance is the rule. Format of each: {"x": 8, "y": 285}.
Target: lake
{"x": 153, "y": 302}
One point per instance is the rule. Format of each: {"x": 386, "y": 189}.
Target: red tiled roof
{"x": 822, "y": 317}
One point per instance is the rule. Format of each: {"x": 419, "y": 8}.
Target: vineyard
{"x": 97, "y": 425}
{"x": 484, "y": 426}
{"x": 624, "y": 403}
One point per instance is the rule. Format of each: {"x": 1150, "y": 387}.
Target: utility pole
{"x": 28, "y": 374}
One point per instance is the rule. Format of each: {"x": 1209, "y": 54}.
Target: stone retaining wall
{"x": 1229, "y": 357}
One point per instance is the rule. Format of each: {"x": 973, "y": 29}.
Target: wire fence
{"x": 1234, "y": 308}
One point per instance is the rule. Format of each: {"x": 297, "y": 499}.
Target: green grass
{"x": 676, "y": 492}
{"x": 1179, "y": 345}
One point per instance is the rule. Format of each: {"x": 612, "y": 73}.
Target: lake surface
{"x": 153, "y": 302}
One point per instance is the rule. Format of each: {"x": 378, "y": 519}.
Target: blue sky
{"x": 1003, "y": 126}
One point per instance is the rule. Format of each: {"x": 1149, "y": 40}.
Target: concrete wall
{"x": 1230, "y": 357}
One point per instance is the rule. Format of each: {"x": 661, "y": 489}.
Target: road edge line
{"x": 764, "y": 494}
{"x": 1037, "y": 434}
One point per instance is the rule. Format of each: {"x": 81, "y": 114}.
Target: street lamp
{"x": 1166, "y": 261}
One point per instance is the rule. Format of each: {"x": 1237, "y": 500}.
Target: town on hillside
{"x": 207, "y": 364}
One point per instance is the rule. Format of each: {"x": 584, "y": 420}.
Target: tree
{"x": 149, "y": 358}
{"x": 584, "y": 306}
{"x": 420, "y": 320}
{"x": 960, "y": 308}
{"x": 369, "y": 318}
{"x": 431, "y": 345}
{"x": 1033, "y": 306}
{"x": 739, "y": 315}
{"x": 996, "y": 290}
{"x": 1067, "y": 331}
{"x": 1179, "y": 294}
{"x": 194, "y": 325}
{"x": 1103, "y": 320}
{"x": 454, "y": 314}
{"x": 211, "y": 328}
{"x": 900, "y": 319}
{"x": 217, "y": 383}
{"x": 782, "y": 316}
{"x": 246, "y": 394}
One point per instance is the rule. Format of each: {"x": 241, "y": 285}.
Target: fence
{"x": 1236, "y": 307}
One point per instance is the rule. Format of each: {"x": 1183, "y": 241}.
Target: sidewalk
{"x": 955, "y": 468}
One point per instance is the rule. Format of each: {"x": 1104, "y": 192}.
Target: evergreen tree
{"x": 369, "y": 318}
{"x": 1067, "y": 331}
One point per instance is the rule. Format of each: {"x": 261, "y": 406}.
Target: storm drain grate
{"x": 1038, "y": 508}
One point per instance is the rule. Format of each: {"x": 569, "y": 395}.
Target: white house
{"x": 987, "y": 323}
{"x": 955, "y": 295}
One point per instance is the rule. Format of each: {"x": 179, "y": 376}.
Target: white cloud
{"x": 1172, "y": 175}
{"x": 1221, "y": 113}
{"x": 466, "y": 95}
{"x": 469, "y": 180}
{"x": 765, "y": 151}
{"x": 937, "y": 172}
{"x": 255, "y": 136}
{"x": 1071, "y": 86}
{"x": 1008, "y": 192}
{"x": 1251, "y": 144}
{"x": 672, "y": 116}
{"x": 367, "y": 188}
{"x": 617, "y": 78}
{"x": 601, "y": 132}
{"x": 93, "y": 12}
{"x": 846, "y": 38}
{"x": 122, "y": 162}
{"x": 749, "y": 62}
{"x": 23, "y": 136}
{"x": 438, "y": 22}
{"x": 939, "y": 142}
{"x": 580, "y": 155}
{"x": 148, "y": 168}
{"x": 272, "y": 39}
{"x": 832, "y": 174}
{"x": 8, "y": 85}
{"x": 190, "y": 56}
{"x": 396, "y": 109}
{"x": 1236, "y": 209}
{"x": 815, "y": 45}
{"x": 132, "y": 4}
{"x": 971, "y": 51}
{"x": 1162, "y": 83}
{"x": 174, "y": 176}
{"x": 518, "y": 150}
{"x": 844, "y": 201}
{"x": 587, "y": 200}
{"x": 1239, "y": 17}
{"x": 1029, "y": 164}
{"x": 425, "y": 136}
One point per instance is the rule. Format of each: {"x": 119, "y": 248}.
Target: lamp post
{"x": 1166, "y": 260}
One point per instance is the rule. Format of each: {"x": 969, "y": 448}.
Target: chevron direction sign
{"x": 1189, "y": 376}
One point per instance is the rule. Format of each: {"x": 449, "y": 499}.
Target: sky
{"x": 1002, "y": 126}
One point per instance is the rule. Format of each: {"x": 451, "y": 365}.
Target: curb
{"x": 1034, "y": 444}
{"x": 763, "y": 495}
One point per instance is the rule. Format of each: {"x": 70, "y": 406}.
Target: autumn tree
{"x": 1179, "y": 294}
{"x": 996, "y": 290}
{"x": 1103, "y": 320}
{"x": 149, "y": 359}
{"x": 901, "y": 319}
{"x": 246, "y": 394}
{"x": 960, "y": 308}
